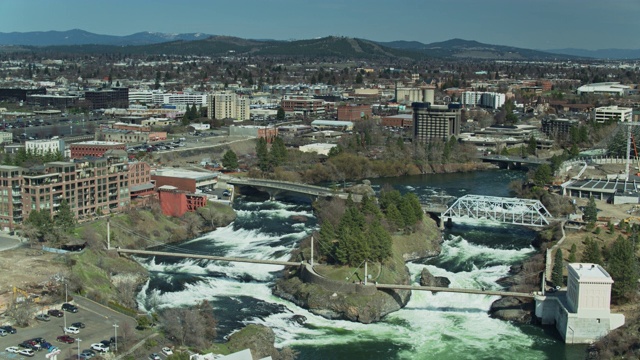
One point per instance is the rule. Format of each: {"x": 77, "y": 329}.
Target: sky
{"x": 533, "y": 24}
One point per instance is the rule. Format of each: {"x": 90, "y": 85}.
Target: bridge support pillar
{"x": 441, "y": 222}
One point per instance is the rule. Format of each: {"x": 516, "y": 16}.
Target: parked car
{"x": 69, "y": 307}
{"x": 88, "y": 354}
{"x": 30, "y": 344}
{"x": 154, "y": 356}
{"x": 167, "y": 351}
{"x": 99, "y": 347}
{"x": 66, "y": 339}
{"x": 26, "y": 352}
{"x": 71, "y": 330}
{"x": 9, "y": 329}
{"x": 43, "y": 317}
{"x": 3, "y": 332}
{"x": 106, "y": 343}
{"x": 39, "y": 340}
{"x": 55, "y": 313}
{"x": 79, "y": 325}
{"x": 12, "y": 349}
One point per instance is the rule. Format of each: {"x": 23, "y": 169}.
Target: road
{"x": 8, "y": 242}
{"x": 99, "y": 322}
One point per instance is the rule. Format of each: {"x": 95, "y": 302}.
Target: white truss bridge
{"x": 505, "y": 210}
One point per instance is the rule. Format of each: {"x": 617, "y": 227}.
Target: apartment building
{"x": 91, "y": 186}
{"x": 6, "y": 137}
{"x": 617, "y": 113}
{"x": 489, "y": 100}
{"x": 228, "y": 105}
{"x": 432, "y": 122}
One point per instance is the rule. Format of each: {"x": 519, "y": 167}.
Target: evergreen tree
{"x": 572, "y": 253}
{"x": 590, "y": 211}
{"x": 414, "y": 201}
{"x": 280, "y": 115}
{"x": 407, "y": 212}
{"x": 379, "y": 242}
{"x": 327, "y": 232}
{"x": 542, "y": 175}
{"x": 533, "y": 145}
{"x": 230, "y": 160}
{"x": 278, "y": 152}
{"x": 556, "y": 276}
{"x": 395, "y": 217}
{"x": 369, "y": 207}
{"x": 623, "y": 268}
{"x": 335, "y": 151}
{"x": 65, "y": 220}
{"x": 262, "y": 152}
{"x": 591, "y": 253}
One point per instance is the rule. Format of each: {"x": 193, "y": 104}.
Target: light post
{"x": 115, "y": 328}
{"x": 78, "y": 340}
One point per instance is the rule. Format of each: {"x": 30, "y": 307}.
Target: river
{"x": 431, "y": 326}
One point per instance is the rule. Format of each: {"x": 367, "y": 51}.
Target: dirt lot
{"x": 27, "y": 269}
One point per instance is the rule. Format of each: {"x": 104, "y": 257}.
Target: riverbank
{"x": 325, "y": 290}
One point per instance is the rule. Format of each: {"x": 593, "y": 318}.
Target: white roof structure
{"x": 591, "y": 273}
{"x": 614, "y": 88}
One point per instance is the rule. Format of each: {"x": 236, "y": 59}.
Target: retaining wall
{"x": 310, "y": 276}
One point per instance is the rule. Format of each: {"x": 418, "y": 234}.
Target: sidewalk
{"x": 8, "y": 242}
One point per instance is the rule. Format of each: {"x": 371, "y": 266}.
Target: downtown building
{"x": 488, "y": 100}
{"x": 431, "y": 122}
{"x": 228, "y": 105}
{"x": 115, "y": 97}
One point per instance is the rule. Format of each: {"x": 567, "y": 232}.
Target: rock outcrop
{"x": 513, "y": 309}
{"x": 427, "y": 279}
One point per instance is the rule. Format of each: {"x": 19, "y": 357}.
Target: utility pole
{"x": 311, "y": 250}
{"x": 365, "y": 272}
{"x": 108, "y": 234}
{"x": 115, "y": 328}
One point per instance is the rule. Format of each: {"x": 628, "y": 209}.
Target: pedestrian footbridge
{"x": 514, "y": 211}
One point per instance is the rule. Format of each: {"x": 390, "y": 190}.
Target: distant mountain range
{"x": 81, "y": 41}
{"x": 81, "y": 37}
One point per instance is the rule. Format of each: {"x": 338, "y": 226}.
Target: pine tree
{"x": 65, "y": 219}
{"x": 278, "y": 152}
{"x": 572, "y": 253}
{"x": 590, "y": 211}
{"x": 230, "y": 160}
{"x": 532, "y": 146}
{"x": 592, "y": 253}
{"x": 395, "y": 217}
{"x": 556, "y": 276}
{"x": 262, "y": 152}
{"x": 623, "y": 268}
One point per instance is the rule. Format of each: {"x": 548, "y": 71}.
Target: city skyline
{"x": 543, "y": 25}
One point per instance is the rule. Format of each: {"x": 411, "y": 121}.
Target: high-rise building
{"x": 110, "y": 98}
{"x": 484, "y": 99}
{"x": 228, "y": 105}
{"x": 432, "y": 122}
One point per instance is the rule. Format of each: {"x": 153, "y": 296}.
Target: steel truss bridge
{"x": 505, "y": 210}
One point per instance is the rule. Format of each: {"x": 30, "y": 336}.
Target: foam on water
{"x": 431, "y": 326}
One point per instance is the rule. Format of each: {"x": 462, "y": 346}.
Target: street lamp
{"x": 115, "y": 328}
{"x": 78, "y": 340}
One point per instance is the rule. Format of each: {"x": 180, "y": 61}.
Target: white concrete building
{"x": 581, "y": 313}
{"x": 604, "y": 113}
{"x": 44, "y": 146}
{"x": 484, "y": 99}
{"x": 181, "y": 98}
{"x": 604, "y": 88}
{"x": 6, "y": 137}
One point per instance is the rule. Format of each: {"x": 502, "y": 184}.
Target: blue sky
{"x": 535, "y": 24}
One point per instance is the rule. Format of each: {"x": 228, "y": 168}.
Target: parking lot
{"x": 98, "y": 322}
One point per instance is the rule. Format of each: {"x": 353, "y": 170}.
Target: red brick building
{"x": 397, "y": 121}
{"x": 175, "y": 202}
{"x": 94, "y": 148}
{"x": 303, "y": 105}
{"x": 353, "y": 112}
{"x": 182, "y": 179}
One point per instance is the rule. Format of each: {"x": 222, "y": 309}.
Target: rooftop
{"x": 184, "y": 174}
{"x": 95, "y": 142}
{"x": 590, "y": 272}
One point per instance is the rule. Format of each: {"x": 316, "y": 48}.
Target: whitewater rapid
{"x": 431, "y": 326}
